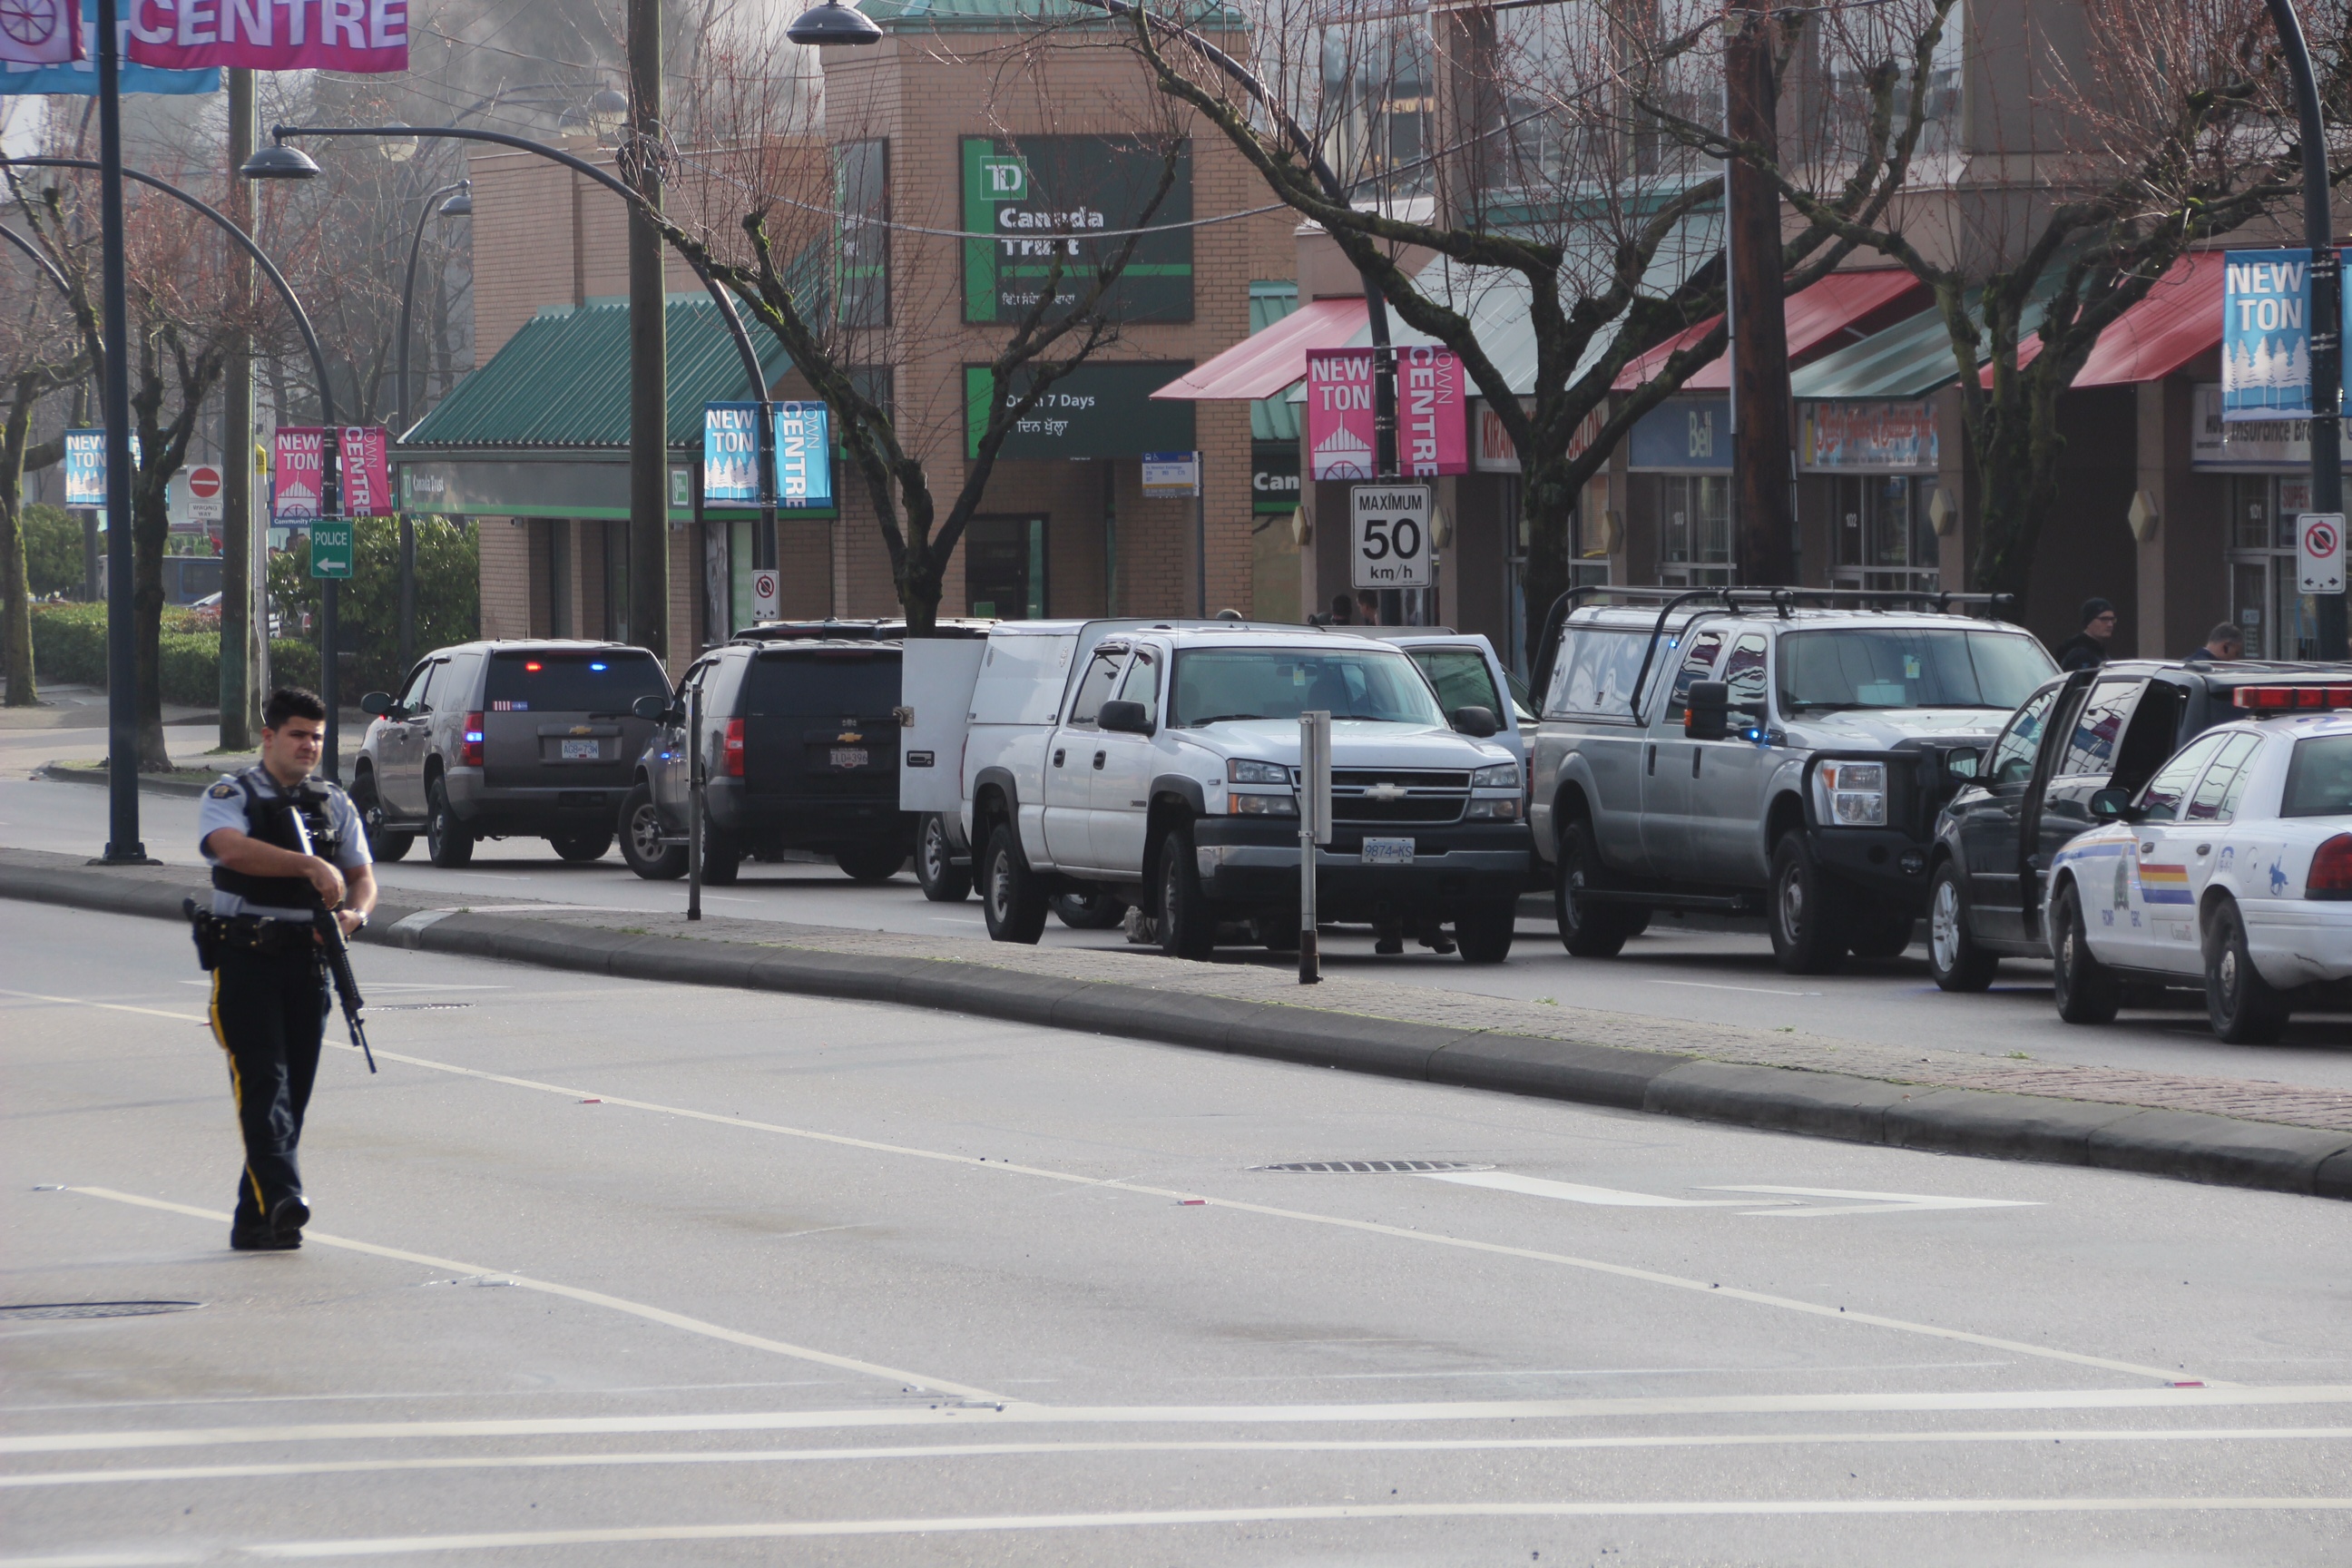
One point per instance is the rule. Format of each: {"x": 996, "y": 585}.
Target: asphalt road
{"x": 1710, "y": 974}
{"x": 635, "y": 1273}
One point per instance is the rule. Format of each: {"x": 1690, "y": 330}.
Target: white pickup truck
{"x": 1159, "y": 764}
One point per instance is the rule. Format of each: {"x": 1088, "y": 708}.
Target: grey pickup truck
{"x": 1771, "y": 752}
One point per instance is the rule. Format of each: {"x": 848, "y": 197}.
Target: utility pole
{"x": 237, "y": 692}
{"x": 1761, "y": 444}
{"x": 640, "y": 165}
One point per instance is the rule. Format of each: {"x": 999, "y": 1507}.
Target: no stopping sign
{"x": 766, "y": 594}
{"x": 2319, "y": 552}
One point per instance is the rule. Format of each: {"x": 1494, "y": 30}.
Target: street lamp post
{"x": 121, "y": 700}
{"x": 122, "y": 845}
{"x": 459, "y": 205}
{"x": 2326, "y": 309}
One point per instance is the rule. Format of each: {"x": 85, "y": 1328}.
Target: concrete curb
{"x": 184, "y": 789}
{"x": 2186, "y": 1145}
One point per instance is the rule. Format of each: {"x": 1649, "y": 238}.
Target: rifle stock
{"x": 338, "y": 951}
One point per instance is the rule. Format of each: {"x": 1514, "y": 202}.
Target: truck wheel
{"x": 1187, "y": 927}
{"x": 447, "y": 844}
{"x": 1809, "y": 930}
{"x": 722, "y": 857}
{"x": 1088, "y": 911}
{"x": 942, "y": 880}
{"x": 580, "y": 848}
{"x": 381, "y": 845}
{"x": 870, "y": 862}
{"x": 2245, "y": 1008}
{"x": 1485, "y": 933}
{"x": 1955, "y": 961}
{"x": 1010, "y": 899}
{"x": 641, "y": 839}
{"x": 2086, "y": 990}
{"x": 1587, "y": 930}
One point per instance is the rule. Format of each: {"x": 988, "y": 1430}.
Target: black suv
{"x": 2075, "y": 737}
{"x": 800, "y": 751}
{"x": 491, "y": 739}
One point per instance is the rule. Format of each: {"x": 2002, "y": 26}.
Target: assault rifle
{"x": 338, "y": 950}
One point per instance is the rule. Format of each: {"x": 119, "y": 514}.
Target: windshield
{"x": 1217, "y": 684}
{"x": 1894, "y": 667}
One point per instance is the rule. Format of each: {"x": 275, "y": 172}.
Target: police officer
{"x": 269, "y": 992}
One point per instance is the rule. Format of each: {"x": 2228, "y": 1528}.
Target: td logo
{"x": 1008, "y": 178}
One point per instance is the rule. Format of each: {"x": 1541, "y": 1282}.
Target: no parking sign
{"x": 767, "y": 599}
{"x": 2319, "y": 552}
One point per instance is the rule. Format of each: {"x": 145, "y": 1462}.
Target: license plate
{"x": 580, "y": 751}
{"x": 849, "y": 756}
{"x": 1388, "y": 851}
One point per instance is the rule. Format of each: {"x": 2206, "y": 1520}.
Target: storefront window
{"x": 1005, "y": 567}
{"x": 2280, "y": 621}
{"x": 1884, "y": 539}
{"x": 1693, "y": 529}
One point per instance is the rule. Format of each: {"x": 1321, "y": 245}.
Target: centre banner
{"x": 1433, "y": 413}
{"x": 357, "y": 38}
{"x": 364, "y": 451}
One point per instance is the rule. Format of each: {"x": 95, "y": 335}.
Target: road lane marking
{"x": 109, "y": 1007}
{"x": 1361, "y": 1227}
{"x": 2055, "y": 1434}
{"x": 1711, "y": 986}
{"x": 1873, "y": 1202}
{"x": 387, "y": 1546}
{"x": 573, "y": 1292}
{"x": 1577, "y": 1193}
{"x": 2170, "y": 1401}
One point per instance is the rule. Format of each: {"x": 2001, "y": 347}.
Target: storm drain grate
{"x": 40, "y": 1310}
{"x": 419, "y": 1006}
{"x": 1373, "y": 1167}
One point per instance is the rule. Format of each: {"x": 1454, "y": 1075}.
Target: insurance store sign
{"x": 1867, "y": 437}
{"x": 1059, "y": 207}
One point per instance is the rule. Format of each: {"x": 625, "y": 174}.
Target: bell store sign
{"x": 365, "y": 38}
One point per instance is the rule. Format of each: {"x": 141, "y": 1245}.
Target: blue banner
{"x": 82, "y": 75}
{"x": 85, "y": 467}
{"x": 803, "y": 455}
{"x": 731, "y": 452}
{"x": 2266, "y": 335}
{"x": 1682, "y": 435}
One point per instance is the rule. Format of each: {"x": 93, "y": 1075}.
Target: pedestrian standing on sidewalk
{"x": 2223, "y": 643}
{"x": 2087, "y": 649}
{"x": 269, "y": 991}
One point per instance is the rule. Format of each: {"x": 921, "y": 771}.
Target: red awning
{"x": 2179, "y": 321}
{"x": 1265, "y": 362}
{"x": 1829, "y": 315}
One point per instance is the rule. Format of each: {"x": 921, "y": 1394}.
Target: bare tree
{"x": 2175, "y": 125}
{"x": 1553, "y": 180}
{"x": 42, "y": 356}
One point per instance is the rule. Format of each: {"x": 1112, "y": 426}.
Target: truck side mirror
{"x": 377, "y": 704}
{"x": 1124, "y": 716}
{"x": 654, "y": 707}
{"x": 1478, "y": 723}
{"x": 1707, "y": 711}
{"x": 2112, "y": 805}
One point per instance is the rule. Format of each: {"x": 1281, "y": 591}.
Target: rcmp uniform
{"x": 269, "y": 994}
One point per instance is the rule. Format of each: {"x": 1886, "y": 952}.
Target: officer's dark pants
{"x": 268, "y": 1013}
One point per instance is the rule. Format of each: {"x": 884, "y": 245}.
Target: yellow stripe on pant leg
{"x": 236, "y": 1086}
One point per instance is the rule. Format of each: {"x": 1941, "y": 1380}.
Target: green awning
{"x": 562, "y": 382}
{"x": 1272, "y": 418}
{"x": 1913, "y": 357}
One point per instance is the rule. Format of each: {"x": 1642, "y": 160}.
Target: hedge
{"x": 69, "y": 646}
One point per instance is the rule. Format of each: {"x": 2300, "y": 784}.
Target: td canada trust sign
{"x": 1057, "y": 207}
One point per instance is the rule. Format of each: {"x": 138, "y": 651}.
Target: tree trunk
{"x": 151, "y": 526}
{"x": 1549, "y": 507}
{"x": 17, "y": 615}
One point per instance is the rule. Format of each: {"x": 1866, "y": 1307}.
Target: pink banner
{"x": 1339, "y": 426}
{"x": 359, "y": 37}
{"x": 1433, "y": 428}
{"x": 296, "y": 474}
{"x": 367, "y": 473}
{"x": 40, "y": 32}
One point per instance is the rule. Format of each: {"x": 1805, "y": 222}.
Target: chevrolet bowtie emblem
{"x": 1384, "y": 792}
{"x": 847, "y": 735}
{"x": 580, "y": 729}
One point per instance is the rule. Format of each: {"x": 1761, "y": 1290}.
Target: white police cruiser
{"x": 2232, "y": 863}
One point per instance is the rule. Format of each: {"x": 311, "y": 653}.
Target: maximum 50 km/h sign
{"x": 1391, "y": 536}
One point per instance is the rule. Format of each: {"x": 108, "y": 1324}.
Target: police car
{"x": 2233, "y": 864}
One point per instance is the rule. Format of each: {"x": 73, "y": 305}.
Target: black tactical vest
{"x": 270, "y": 820}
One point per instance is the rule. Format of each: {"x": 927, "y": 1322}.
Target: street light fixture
{"x": 834, "y": 23}
{"x": 462, "y": 204}
{"x": 280, "y": 162}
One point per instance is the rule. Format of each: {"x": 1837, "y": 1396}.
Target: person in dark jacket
{"x": 2223, "y": 643}
{"x": 2087, "y": 649}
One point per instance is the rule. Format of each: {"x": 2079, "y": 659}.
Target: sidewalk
{"x": 2230, "y": 1131}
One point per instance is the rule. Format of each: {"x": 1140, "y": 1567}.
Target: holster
{"x": 248, "y": 933}
{"x": 204, "y": 926}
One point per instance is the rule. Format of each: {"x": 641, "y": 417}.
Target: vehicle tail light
{"x": 470, "y": 755}
{"x": 2331, "y": 869}
{"x": 731, "y": 757}
{"x": 2293, "y": 698}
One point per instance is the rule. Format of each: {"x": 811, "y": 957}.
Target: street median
{"x": 2274, "y": 1137}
